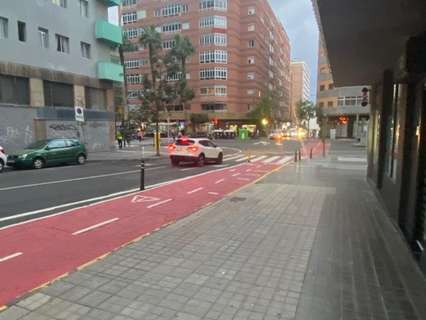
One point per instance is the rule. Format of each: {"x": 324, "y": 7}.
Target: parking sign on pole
{"x": 79, "y": 114}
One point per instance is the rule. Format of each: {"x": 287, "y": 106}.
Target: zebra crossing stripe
{"x": 234, "y": 157}
{"x": 284, "y": 160}
{"x": 242, "y": 159}
{"x": 271, "y": 159}
{"x": 259, "y": 158}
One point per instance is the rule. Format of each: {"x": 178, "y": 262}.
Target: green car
{"x": 47, "y": 153}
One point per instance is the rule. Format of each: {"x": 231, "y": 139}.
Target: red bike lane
{"x": 35, "y": 253}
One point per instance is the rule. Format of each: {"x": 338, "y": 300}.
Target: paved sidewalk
{"x": 308, "y": 242}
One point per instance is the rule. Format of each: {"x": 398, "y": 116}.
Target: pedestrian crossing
{"x": 265, "y": 159}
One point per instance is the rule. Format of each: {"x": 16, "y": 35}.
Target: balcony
{"x": 110, "y": 71}
{"x": 346, "y": 110}
{"x": 112, "y": 3}
{"x": 109, "y": 33}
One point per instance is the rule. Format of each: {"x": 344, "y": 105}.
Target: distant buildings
{"x": 300, "y": 85}
{"x": 341, "y": 105}
{"x": 55, "y": 55}
{"x": 242, "y": 50}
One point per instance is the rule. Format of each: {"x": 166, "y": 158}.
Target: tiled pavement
{"x": 308, "y": 242}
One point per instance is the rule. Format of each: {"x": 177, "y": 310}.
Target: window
{"x": 58, "y": 94}
{"x": 175, "y": 76}
{"x": 14, "y": 90}
{"x": 251, "y": 76}
{"x": 171, "y": 10}
{"x": 251, "y": 44}
{"x": 251, "y": 27}
{"x": 251, "y": 11}
{"x": 213, "y": 22}
{"x": 250, "y": 60}
{"x": 134, "y": 79}
{"x": 169, "y": 44}
{"x": 251, "y": 92}
{"x": 57, "y": 144}
{"x": 331, "y": 86}
{"x": 322, "y": 87}
{"x": 171, "y": 27}
{"x": 214, "y": 56}
{"x": 340, "y": 101}
{"x": 84, "y": 8}
{"x": 214, "y": 91}
{"x": 214, "y": 73}
{"x": 61, "y": 3}
{"x": 127, "y": 3}
{"x": 22, "y": 31}
{"x": 4, "y": 30}
{"x": 131, "y": 33}
{"x": 62, "y": 44}
{"x": 350, "y": 101}
{"x": 134, "y": 94}
{"x": 213, "y": 107}
{"x": 214, "y": 5}
{"x": 134, "y": 64}
{"x": 321, "y": 104}
{"x": 217, "y": 39}
{"x": 44, "y": 37}
{"x": 85, "y": 50}
{"x": 330, "y": 104}
{"x": 129, "y": 17}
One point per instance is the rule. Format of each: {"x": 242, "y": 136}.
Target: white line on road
{"x": 271, "y": 159}
{"x": 232, "y": 170}
{"x": 235, "y": 157}
{"x": 94, "y": 226}
{"x": 17, "y": 254}
{"x": 219, "y": 181}
{"x": 236, "y": 174}
{"x": 195, "y": 190}
{"x": 214, "y": 193}
{"x": 284, "y": 160}
{"x": 159, "y": 203}
{"x": 258, "y": 158}
{"x": 74, "y": 179}
{"x": 243, "y": 179}
{"x": 188, "y": 169}
{"x": 95, "y": 201}
{"x": 245, "y": 158}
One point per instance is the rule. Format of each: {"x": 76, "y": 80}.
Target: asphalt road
{"x": 28, "y": 194}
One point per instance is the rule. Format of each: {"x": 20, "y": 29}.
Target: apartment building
{"x": 242, "y": 51}
{"x": 55, "y": 55}
{"x": 300, "y": 85}
{"x": 346, "y": 117}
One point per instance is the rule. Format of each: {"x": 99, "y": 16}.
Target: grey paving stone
{"x": 13, "y": 313}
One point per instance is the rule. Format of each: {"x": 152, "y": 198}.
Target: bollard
{"x": 300, "y": 155}
{"x": 310, "y": 154}
{"x": 323, "y": 148}
{"x": 295, "y": 156}
{"x": 142, "y": 186}
{"x": 249, "y": 157}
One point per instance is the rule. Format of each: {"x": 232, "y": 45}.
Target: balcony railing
{"x": 110, "y": 71}
{"x": 109, "y": 33}
{"x": 346, "y": 110}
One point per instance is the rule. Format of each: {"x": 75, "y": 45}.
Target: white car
{"x": 198, "y": 151}
{"x": 3, "y": 159}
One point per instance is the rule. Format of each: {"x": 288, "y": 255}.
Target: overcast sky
{"x": 299, "y": 21}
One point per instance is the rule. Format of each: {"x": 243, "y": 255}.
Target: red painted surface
{"x": 50, "y": 250}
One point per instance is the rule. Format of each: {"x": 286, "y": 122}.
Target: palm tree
{"x": 151, "y": 40}
{"x": 126, "y": 46}
{"x": 183, "y": 49}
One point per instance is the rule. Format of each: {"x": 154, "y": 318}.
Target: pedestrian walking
{"x": 120, "y": 139}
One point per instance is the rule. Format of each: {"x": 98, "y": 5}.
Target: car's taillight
{"x": 171, "y": 147}
{"x": 2, "y": 150}
{"x": 192, "y": 149}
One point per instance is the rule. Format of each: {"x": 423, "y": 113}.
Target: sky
{"x": 299, "y": 21}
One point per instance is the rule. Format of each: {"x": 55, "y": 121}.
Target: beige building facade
{"x": 300, "y": 85}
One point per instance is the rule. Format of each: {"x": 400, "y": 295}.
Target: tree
{"x": 158, "y": 89}
{"x": 264, "y": 110}
{"x": 305, "y": 111}
{"x": 198, "y": 118}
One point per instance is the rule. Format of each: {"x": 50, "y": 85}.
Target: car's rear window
{"x": 184, "y": 142}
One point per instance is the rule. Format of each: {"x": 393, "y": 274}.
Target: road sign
{"x": 79, "y": 114}
{"x": 138, "y": 199}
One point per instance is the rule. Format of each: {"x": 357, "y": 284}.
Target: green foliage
{"x": 305, "y": 111}
{"x": 263, "y": 109}
{"x": 198, "y": 118}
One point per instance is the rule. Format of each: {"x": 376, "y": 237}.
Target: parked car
{"x": 3, "y": 159}
{"x": 49, "y": 152}
{"x": 198, "y": 151}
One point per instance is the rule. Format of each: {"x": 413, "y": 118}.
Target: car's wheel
{"x": 175, "y": 162}
{"x": 38, "y": 163}
{"x": 219, "y": 158}
{"x": 81, "y": 159}
{"x": 201, "y": 160}
{"x": 1, "y": 166}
